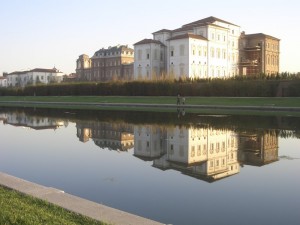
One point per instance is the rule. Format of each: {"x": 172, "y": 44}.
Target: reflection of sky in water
{"x": 257, "y": 195}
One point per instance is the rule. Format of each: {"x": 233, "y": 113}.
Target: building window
{"x": 219, "y": 53}
{"x": 199, "y": 150}
{"x": 223, "y": 146}
{"x": 204, "y": 149}
{"x": 171, "y": 150}
{"x": 211, "y": 148}
{"x": 148, "y": 56}
{"x": 212, "y": 52}
{"x": 193, "y": 152}
{"x": 172, "y": 53}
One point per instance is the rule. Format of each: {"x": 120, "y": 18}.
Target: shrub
{"x": 235, "y": 87}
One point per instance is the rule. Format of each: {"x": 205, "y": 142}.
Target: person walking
{"x": 178, "y": 99}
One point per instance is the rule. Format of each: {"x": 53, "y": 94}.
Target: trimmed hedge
{"x": 226, "y": 88}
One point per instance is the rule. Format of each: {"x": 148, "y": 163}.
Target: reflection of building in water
{"x": 200, "y": 152}
{"x": 84, "y": 131}
{"x": 149, "y": 142}
{"x": 3, "y": 117}
{"x": 33, "y": 122}
{"x": 205, "y": 153}
{"x": 107, "y": 135}
{"x": 258, "y": 149}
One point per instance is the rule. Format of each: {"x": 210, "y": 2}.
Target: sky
{"x": 53, "y": 33}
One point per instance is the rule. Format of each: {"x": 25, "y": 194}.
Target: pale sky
{"x": 48, "y": 33}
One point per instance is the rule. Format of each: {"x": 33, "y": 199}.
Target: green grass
{"x": 20, "y": 209}
{"x": 227, "y": 101}
{"x": 224, "y": 101}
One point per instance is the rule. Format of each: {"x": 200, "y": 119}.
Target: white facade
{"x": 35, "y": 76}
{"x": 149, "y": 59}
{"x": 208, "y": 48}
{"x": 187, "y": 57}
{"x": 3, "y": 82}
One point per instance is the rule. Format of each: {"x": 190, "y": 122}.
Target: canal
{"x": 175, "y": 168}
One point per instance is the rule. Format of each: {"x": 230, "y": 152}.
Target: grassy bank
{"x": 17, "y": 208}
{"x": 226, "y": 101}
{"x": 205, "y": 105}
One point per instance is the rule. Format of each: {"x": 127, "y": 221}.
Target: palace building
{"x": 113, "y": 63}
{"x": 207, "y": 48}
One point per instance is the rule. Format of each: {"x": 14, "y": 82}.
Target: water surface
{"x": 173, "y": 168}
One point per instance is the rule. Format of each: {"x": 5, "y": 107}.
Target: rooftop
{"x": 148, "y": 41}
{"x": 161, "y": 31}
{"x": 114, "y": 49}
{"x": 208, "y": 20}
{"x": 261, "y": 35}
{"x": 54, "y": 70}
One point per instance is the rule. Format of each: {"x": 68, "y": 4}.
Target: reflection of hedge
{"x": 233, "y": 88}
{"x": 286, "y": 126}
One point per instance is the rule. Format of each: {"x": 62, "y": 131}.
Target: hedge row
{"x": 228, "y": 88}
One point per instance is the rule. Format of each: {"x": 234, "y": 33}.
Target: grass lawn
{"x": 17, "y": 209}
{"x": 227, "y": 101}
{"x": 156, "y": 101}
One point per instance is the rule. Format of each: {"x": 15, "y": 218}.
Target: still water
{"x": 173, "y": 168}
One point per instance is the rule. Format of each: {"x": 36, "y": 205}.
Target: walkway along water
{"x": 73, "y": 203}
